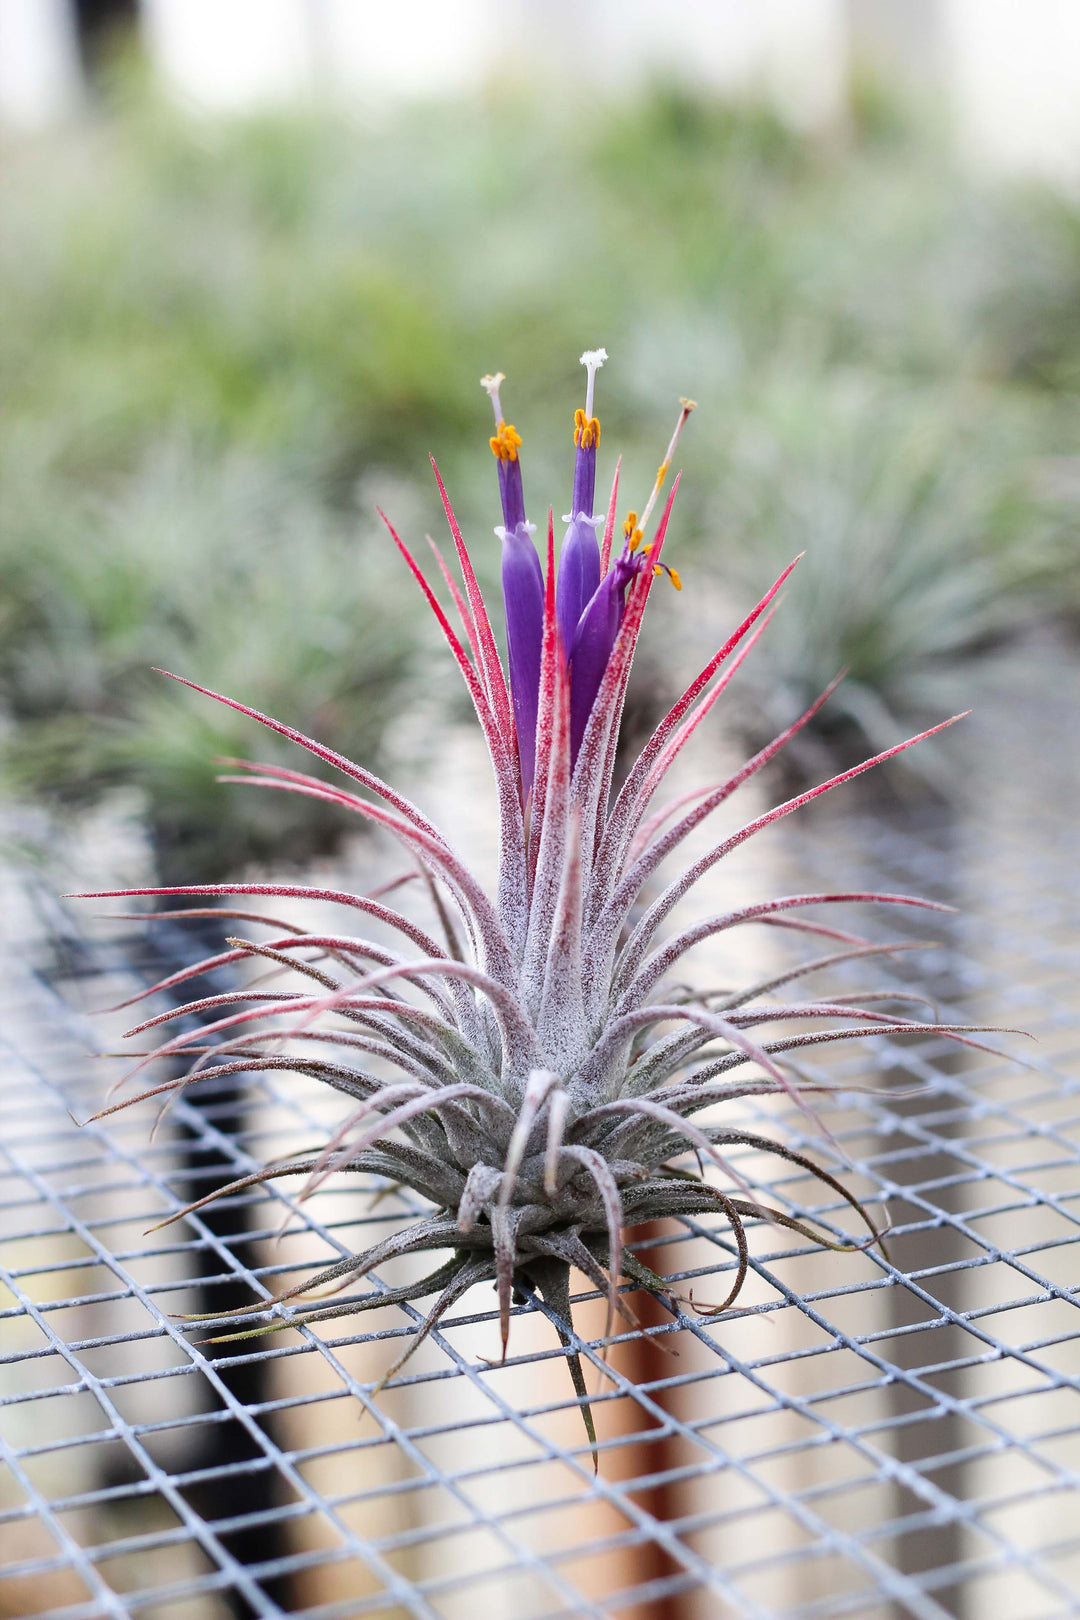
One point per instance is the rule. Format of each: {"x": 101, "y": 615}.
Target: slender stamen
{"x": 662, "y": 568}
{"x": 688, "y": 405}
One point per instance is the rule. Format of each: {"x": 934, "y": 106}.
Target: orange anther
{"x": 586, "y": 430}
{"x": 506, "y": 442}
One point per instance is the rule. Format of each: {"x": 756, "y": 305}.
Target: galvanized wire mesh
{"x": 874, "y": 1436}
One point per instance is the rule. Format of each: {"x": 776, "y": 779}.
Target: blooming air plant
{"x": 529, "y": 1066}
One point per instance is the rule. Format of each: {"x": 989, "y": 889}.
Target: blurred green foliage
{"x": 221, "y": 341}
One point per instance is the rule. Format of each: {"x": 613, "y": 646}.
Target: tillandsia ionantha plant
{"x": 538, "y": 1068}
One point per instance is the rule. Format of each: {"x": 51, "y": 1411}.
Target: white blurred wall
{"x": 234, "y": 54}
{"x": 231, "y": 54}
{"x": 1008, "y": 71}
{"x": 791, "y": 53}
{"x": 414, "y": 48}
{"x": 1014, "y": 71}
{"x": 40, "y": 80}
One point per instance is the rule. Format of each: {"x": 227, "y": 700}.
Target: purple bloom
{"x": 588, "y": 609}
{"x": 523, "y": 588}
{"x": 523, "y": 596}
{"x": 579, "y": 559}
{"x": 598, "y": 625}
{"x": 593, "y": 643}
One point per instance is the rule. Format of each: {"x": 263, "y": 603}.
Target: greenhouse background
{"x": 254, "y": 258}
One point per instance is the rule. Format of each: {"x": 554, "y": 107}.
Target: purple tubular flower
{"x": 523, "y": 588}
{"x": 523, "y": 599}
{"x": 586, "y": 438}
{"x": 593, "y": 643}
{"x": 510, "y": 491}
{"x": 598, "y": 627}
{"x": 579, "y": 568}
{"x": 579, "y": 558}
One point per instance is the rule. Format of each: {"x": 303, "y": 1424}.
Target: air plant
{"x": 538, "y": 1070}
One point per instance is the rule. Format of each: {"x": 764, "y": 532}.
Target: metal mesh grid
{"x": 871, "y": 1438}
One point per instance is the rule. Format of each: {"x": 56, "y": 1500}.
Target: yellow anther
{"x": 661, "y": 473}
{"x": 506, "y": 442}
{"x": 630, "y": 524}
{"x": 586, "y": 430}
{"x": 674, "y": 577}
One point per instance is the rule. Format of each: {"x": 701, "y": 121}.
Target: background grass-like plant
{"x": 218, "y": 339}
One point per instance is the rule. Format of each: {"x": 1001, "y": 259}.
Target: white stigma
{"x": 592, "y": 359}
{"x": 492, "y": 384}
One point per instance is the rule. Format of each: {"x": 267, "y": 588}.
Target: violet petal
{"x": 511, "y": 492}
{"x": 523, "y": 599}
{"x": 591, "y": 649}
{"x": 579, "y": 558}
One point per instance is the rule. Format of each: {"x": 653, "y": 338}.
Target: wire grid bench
{"x": 872, "y": 1438}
